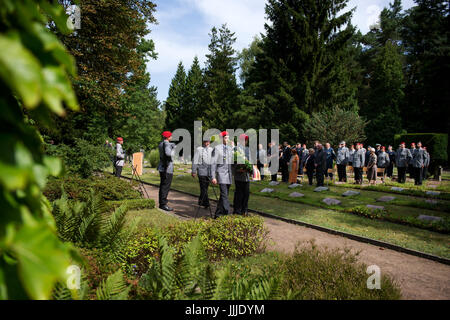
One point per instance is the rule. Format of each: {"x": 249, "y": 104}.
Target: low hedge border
{"x": 132, "y": 204}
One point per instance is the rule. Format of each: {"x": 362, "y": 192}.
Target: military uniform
{"x": 242, "y": 184}
{"x": 120, "y": 159}
{"x": 165, "y": 168}
{"x": 402, "y": 159}
{"x": 390, "y": 167}
{"x": 426, "y": 165}
{"x": 359, "y": 159}
{"x": 221, "y": 170}
{"x": 342, "y": 159}
{"x": 418, "y": 163}
{"x": 201, "y": 166}
{"x": 351, "y": 154}
{"x": 331, "y": 155}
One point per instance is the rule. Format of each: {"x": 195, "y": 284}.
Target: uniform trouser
{"x": 425, "y": 173}
{"x": 329, "y": 174}
{"x": 358, "y": 174}
{"x": 390, "y": 170}
{"x": 203, "y": 199}
{"x": 223, "y": 207}
{"x": 401, "y": 174}
{"x": 342, "y": 173}
{"x": 241, "y": 195}
{"x": 310, "y": 174}
{"x": 411, "y": 171}
{"x": 164, "y": 187}
{"x": 284, "y": 172}
{"x": 118, "y": 171}
{"x": 320, "y": 175}
{"x": 418, "y": 176}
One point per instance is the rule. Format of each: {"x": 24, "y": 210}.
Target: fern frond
{"x": 114, "y": 288}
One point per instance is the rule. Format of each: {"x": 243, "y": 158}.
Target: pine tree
{"x": 302, "y": 68}
{"x": 426, "y": 36}
{"x": 221, "y": 89}
{"x": 194, "y": 89}
{"x": 174, "y": 104}
{"x": 386, "y": 96}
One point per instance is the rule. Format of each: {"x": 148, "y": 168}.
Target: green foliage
{"x": 333, "y": 126}
{"x": 436, "y": 143}
{"x": 34, "y": 75}
{"x": 108, "y": 187}
{"x": 83, "y": 158}
{"x": 131, "y": 204}
{"x": 311, "y": 273}
{"x": 114, "y": 288}
{"x": 86, "y": 225}
{"x": 154, "y": 158}
{"x": 227, "y": 237}
{"x": 174, "y": 103}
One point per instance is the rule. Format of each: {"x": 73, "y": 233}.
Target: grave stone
{"x": 350, "y": 193}
{"x": 296, "y": 195}
{"x": 320, "y": 189}
{"x": 385, "y": 199}
{"x": 294, "y": 185}
{"x": 331, "y": 202}
{"x": 424, "y": 217}
{"x": 274, "y": 183}
{"x": 370, "y": 206}
{"x": 267, "y": 190}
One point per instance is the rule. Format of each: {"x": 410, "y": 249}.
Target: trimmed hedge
{"x": 132, "y": 204}
{"x": 227, "y": 237}
{"x": 154, "y": 158}
{"x": 436, "y": 143}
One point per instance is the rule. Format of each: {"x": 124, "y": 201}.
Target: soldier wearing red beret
{"x": 165, "y": 168}
{"x": 120, "y": 157}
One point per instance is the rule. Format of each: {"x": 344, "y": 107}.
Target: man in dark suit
{"x": 284, "y": 163}
{"x": 201, "y": 166}
{"x": 320, "y": 162}
{"x": 390, "y": 168}
{"x": 418, "y": 162}
{"x": 241, "y": 179}
{"x": 165, "y": 168}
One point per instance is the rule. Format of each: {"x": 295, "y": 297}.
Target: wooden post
{"x": 138, "y": 158}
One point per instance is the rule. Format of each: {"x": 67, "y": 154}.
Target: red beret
{"x": 383, "y": 147}
{"x": 402, "y": 143}
{"x": 224, "y": 133}
{"x": 413, "y": 143}
{"x": 167, "y": 134}
{"x": 119, "y": 139}
{"x": 243, "y": 136}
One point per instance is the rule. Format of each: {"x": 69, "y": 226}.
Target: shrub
{"x": 109, "y": 187}
{"x": 227, "y": 237}
{"x": 154, "y": 158}
{"x": 83, "y": 157}
{"x": 132, "y": 204}
{"x": 310, "y": 273}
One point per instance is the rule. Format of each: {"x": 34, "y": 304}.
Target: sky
{"x": 183, "y": 28}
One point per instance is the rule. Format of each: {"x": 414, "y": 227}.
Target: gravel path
{"x": 418, "y": 278}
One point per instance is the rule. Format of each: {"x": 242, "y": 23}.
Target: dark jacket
{"x": 321, "y": 160}
{"x": 309, "y": 163}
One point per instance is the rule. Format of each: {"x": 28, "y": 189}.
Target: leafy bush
{"x": 109, "y": 187}
{"x": 154, "y": 158}
{"x": 84, "y": 224}
{"x": 310, "y": 273}
{"x": 83, "y": 157}
{"x": 132, "y": 204}
{"x": 227, "y": 237}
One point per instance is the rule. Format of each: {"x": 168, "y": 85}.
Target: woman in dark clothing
{"x": 372, "y": 167}
{"x": 309, "y": 165}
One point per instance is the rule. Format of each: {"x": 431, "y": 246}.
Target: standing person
{"x": 316, "y": 145}
{"x": 427, "y": 164}
{"x": 310, "y": 166}
{"x": 262, "y": 160}
{"x": 221, "y": 173}
{"x": 241, "y": 180}
{"x": 201, "y": 166}
{"x": 372, "y": 166}
{"x": 418, "y": 162}
{"x": 382, "y": 159}
{"x": 320, "y": 162}
{"x": 390, "y": 167}
{"x": 351, "y": 153}
{"x": 304, "y": 155}
{"x": 294, "y": 163}
{"x": 378, "y": 150}
{"x": 342, "y": 159}
{"x": 358, "y": 163}
{"x": 410, "y": 165}
{"x": 367, "y": 156}
{"x": 165, "y": 168}
{"x": 120, "y": 157}
{"x": 286, "y": 157}
{"x": 331, "y": 155}
{"x": 270, "y": 158}
{"x": 402, "y": 158}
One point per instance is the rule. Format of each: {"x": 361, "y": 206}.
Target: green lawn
{"x": 406, "y": 236}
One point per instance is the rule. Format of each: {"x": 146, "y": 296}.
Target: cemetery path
{"x": 417, "y": 277}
